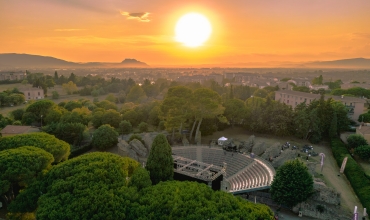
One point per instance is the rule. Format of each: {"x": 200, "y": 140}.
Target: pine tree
{"x": 160, "y": 161}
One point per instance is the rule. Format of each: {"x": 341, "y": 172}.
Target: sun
{"x": 193, "y": 29}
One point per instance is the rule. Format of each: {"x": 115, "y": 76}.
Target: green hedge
{"x": 354, "y": 172}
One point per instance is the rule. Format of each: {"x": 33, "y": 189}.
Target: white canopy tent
{"x": 221, "y": 140}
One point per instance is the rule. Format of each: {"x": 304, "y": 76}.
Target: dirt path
{"x": 330, "y": 172}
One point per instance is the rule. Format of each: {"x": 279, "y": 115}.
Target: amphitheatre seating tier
{"x": 243, "y": 173}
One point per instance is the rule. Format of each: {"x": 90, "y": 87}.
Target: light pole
{"x": 41, "y": 120}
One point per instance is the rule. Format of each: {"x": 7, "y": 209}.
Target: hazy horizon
{"x": 242, "y": 31}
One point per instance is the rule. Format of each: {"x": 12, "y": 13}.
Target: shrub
{"x": 353, "y": 171}
{"x": 355, "y": 140}
{"x": 363, "y": 152}
{"x": 137, "y": 137}
{"x": 104, "y": 137}
{"x": 143, "y": 127}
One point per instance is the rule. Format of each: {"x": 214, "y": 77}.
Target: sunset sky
{"x": 243, "y": 31}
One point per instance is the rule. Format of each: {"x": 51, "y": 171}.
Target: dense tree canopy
{"x": 292, "y": 184}
{"x": 59, "y": 149}
{"x": 190, "y": 200}
{"x": 91, "y": 186}
{"x": 104, "y": 137}
{"x": 160, "y": 162}
{"x": 21, "y": 166}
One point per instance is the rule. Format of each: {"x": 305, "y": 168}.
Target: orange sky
{"x": 244, "y": 31}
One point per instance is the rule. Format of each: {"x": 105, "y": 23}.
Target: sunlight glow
{"x": 193, "y": 30}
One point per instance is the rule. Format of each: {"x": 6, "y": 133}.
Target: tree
{"x": 260, "y": 93}
{"x": 71, "y": 133}
{"x": 160, "y": 162}
{"x": 105, "y": 104}
{"x": 91, "y": 186}
{"x": 104, "y": 137}
{"x": 206, "y": 104}
{"x": 363, "y": 152}
{"x": 292, "y": 184}
{"x": 125, "y": 127}
{"x": 58, "y": 148}
{"x": 355, "y": 140}
{"x": 96, "y": 118}
{"x": 110, "y": 97}
{"x": 143, "y": 127}
{"x": 70, "y": 87}
{"x": 40, "y": 107}
{"x": 333, "y": 131}
{"x": 21, "y": 166}
{"x": 111, "y": 117}
{"x": 140, "y": 179}
{"x": 317, "y": 80}
{"x": 17, "y": 114}
{"x": 234, "y": 111}
{"x": 136, "y": 94}
{"x": 301, "y": 89}
{"x": 191, "y": 200}
{"x": 72, "y": 105}
{"x": 54, "y": 95}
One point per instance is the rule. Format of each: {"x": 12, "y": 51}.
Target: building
{"x": 12, "y": 76}
{"x": 11, "y": 130}
{"x": 33, "y": 93}
{"x": 355, "y": 106}
{"x": 364, "y": 131}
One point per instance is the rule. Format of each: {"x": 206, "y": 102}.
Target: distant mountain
{"x": 133, "y": 63}
{"x": 13, "y": 60}
{"x": 345, "y": 63}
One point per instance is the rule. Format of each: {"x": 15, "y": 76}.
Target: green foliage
{"x": 125, "y": 127}
{"x": 96, "y": 119}
{"x": 355, "y": 140}
{"x": 55, "y": 95}
{"x": 301, "y": 89}
{"x": 354, "y": 172}
{"x": 317, "y": 80}
{"x": 137, "y": 137}
{"x": 190, "y": 200}
{"x": 143, "y": 127}
{"x": 132, "y": 116}
{"x": 111, "y": 98}
{"x": 104, "y": 137}
{"x": 161, "y": 125}
{"x": 136, "y": 94}
{"x": 363, "y": 152}
{"x": 292, "y": 184}
{"x": 28, "y": 118}
{"x": 105, "y": 104}
{"x": 54, "y": 114}
{"x": 355, "y": 91}
{"x": 38, "y": 108}
{"x": 22, "y": 165}
{"x": 59, "y": 149}
{"x": 71, "y": 133}
{"x": 160, "y": 162}
{"x": 111, "y": 117}
{"x": 333, "y": 126}
{"x": 260, "y": 93}
{"x": 91, "y": 186}
{"x": 364, "y": 117}
{"x": 235, "y": 111}
{"x": 17, "y": 114}
{"x": 140, "y": 179}
{"x": 72, "y": 105}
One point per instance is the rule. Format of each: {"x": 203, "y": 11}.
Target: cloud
{"x": 68, "y": 30}
{"x": 141, "y": 16}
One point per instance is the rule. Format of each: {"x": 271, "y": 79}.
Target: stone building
{"x": 355, "y": 106}
{"x": 33, "y": 93}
